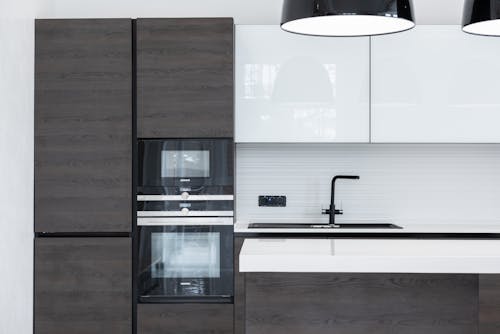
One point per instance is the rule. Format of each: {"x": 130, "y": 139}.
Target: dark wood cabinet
{"x": 83, "y": 286}
{"x": 239, "y": 289}
{"x": 360, "y": 303}
{"x": 489, "y": 304}
{"x": 185, "y": 77}
{"x": 83, "y": 125}
{"x": 185, "y": 319}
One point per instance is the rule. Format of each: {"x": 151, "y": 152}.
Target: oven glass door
{"x": 193, "y": 166}
{"x": 186, "y": 263}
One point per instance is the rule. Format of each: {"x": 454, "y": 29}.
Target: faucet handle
{"x": 325, "y": 211}
{"x": 341, "y": 210}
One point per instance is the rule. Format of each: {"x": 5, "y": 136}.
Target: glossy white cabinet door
{"x": 435, "y": 84}
{"x": 293, "y": 88}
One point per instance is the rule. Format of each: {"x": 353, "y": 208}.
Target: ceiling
{"x": 244, "y": 11}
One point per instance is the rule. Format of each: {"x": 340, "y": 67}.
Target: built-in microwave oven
{"x": 177, "y": 166}
{"x": 185, "y": 177}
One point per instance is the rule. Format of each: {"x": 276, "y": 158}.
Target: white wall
{"x": 244, "y": 11}
{"x": 406, "y": 183}
{"x": 16, "y": 165}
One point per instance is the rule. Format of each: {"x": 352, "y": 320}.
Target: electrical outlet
{"x": 272, "y": 201}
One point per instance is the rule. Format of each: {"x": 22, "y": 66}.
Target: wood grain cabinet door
{"x": 185, "y": 78}
{"x": 298, "y": 303}
{"x": 83, "y": 125}
{"x": 185, "y": 319}
{"x": 489, "y": 304}
{"x": 83, "y": 286}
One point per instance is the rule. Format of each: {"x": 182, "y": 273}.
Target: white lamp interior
{"x": 348, "y": 25}
{"x": 489, "y": 28}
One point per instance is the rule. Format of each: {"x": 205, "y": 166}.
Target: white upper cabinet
{"x": 435, "y": 84}
{"x": 294, "y": 88}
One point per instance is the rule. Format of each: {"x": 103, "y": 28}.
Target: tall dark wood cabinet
{"x": 83, "y": 285}
{"x": 83, "y": 176}
{"x": 83, "y": 126}
{"x": 185, "y": 78}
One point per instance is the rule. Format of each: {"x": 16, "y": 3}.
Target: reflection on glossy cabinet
{"x": 435, "y": 84}
{"x": 293, "y": 88}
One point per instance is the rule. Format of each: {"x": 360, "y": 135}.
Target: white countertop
{"x": 370, "y": 256}
{"x": 480, "y": 227}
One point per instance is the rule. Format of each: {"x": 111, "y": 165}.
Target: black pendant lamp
{"x": 347, "y": 17}
{"x": 482, "y": 17}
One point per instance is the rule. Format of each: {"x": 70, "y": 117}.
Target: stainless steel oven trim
{"x": 194, "y": 221}
{"x": 156, "y": 198}
{"x": 181, "y": 214}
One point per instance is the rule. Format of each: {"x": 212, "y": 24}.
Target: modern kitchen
{"x": 265, "y": 167}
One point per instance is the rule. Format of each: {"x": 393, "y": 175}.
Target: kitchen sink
{"x": 323, "y": 226}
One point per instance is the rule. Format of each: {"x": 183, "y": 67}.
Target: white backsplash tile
{"x": 405, "y": 183}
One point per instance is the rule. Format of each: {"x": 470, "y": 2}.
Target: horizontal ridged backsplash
{"x": 405, "y": 183}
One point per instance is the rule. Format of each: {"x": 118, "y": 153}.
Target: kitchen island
{"x": 378, "y": 286}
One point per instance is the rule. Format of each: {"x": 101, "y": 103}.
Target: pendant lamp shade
{"x": 482, "y": 17}
{"x": 347, "y": 17}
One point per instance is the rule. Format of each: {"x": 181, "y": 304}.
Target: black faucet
{"x": 332, "y": 211}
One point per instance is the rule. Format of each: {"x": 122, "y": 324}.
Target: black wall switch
{"x": 272, "y": 201}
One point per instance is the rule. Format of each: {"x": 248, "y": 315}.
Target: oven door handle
{"x": 184, "y": 197}
{"x": 223, "y": 299}
{"x": 185, "y": 213}
{"x": 188, "y": 221}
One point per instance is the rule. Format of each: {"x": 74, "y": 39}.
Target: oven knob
{"x": 184, "y": 211}
{"x": 185, "y": 195}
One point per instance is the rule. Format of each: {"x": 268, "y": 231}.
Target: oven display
{"x": 185, "y": 164}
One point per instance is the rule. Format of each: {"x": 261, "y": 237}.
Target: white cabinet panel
{"x": 294, "y": 88}
{"x": 435, "y": 84}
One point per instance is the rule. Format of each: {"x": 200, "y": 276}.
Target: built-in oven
{"x": 185, "y": 220}
{"x": 185, "y": 260}
{"x": 185, "y": 177}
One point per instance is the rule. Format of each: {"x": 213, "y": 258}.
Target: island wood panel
{"x": 83, "y": 125}
{"x": 292, "y": 303}
{"x": 83, "y": 286}
{"x": 489, "y": 304}
{"x": 185, "y": 77}
{"x": 185, "y": 319}
{"x": 239, "y": 290}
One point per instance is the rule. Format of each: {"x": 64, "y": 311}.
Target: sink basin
{"x": 323, "y": 226}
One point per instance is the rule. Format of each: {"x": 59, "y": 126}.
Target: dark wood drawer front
{"x": 185, "y": 77}
{"x": 185, "y": 319}
{"x": 83, "y": 286}
{"x": 83, "y": 125}
{"x": 489, "y": 304}
{"x": 359, "y": 304}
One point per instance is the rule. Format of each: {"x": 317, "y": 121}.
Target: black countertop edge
{"x": 429, "y": 236}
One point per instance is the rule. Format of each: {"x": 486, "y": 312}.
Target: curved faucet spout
{"x": 332, "y": 212}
